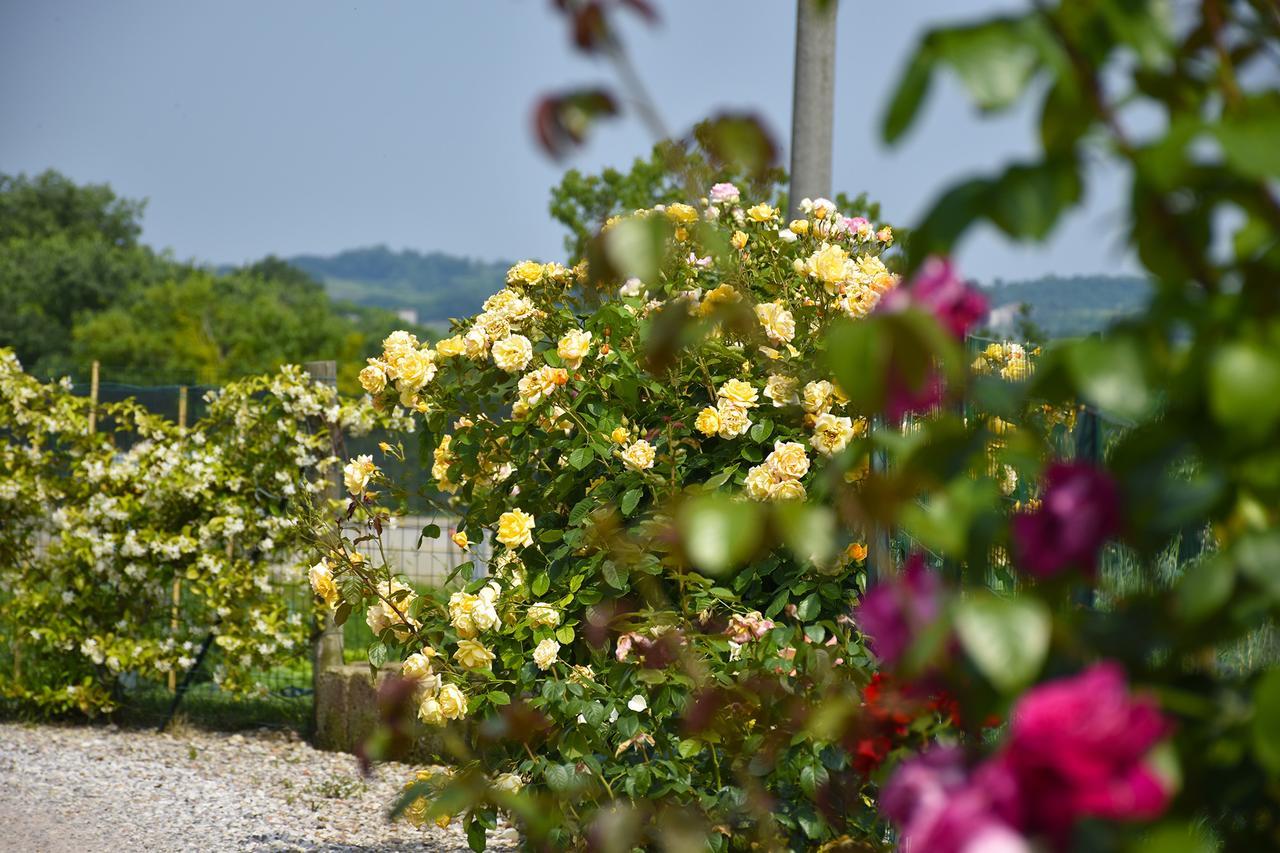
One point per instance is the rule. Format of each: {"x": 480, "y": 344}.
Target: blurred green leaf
{"x": 1250, "y": 137}
{"x": 1204, "y": 588}
{"x": 909, "y": 94}
{"x": 1266, "y": 721}
{"x": 1244, "y": 388}
{"x": 635, "y": 246}
{"x": 994, "y": 60}
{"x": 719, "y": 532}
{"x": 1006, "y": 638}
{"x": 809, "y": 530}
{"x": 1175, "y": 837}
{"x": 1110, "y": 375}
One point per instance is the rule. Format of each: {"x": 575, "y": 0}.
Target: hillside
{"x": 435, "y": 285}
{"x": 438, "y": 286}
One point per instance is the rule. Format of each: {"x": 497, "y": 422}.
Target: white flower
{"x": 638, "y": 703}
{"x": 545, "y": 654}
{"x": 639, "y": 456}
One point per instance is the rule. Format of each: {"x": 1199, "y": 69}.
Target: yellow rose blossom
{"x": 476, "y": 343}
{"x": 450, "y": 347}
{"x": 733, "y": 419}
{"x": 417, "y": 666}
{"x": 545, "y": 654}
{"x": 857, "y": 552}
{"x": 681, "y": 213}
{"x": 373, "y": 377}
{"x": 788, "y": 490}
{"x": 573, "y": 348}
{"x": 782, "y": 390}
{"x": 357, "y": 473}
{"x": 515, "y": 529}
{"x": 460, "y": 539}
{"x": 512, "y": 353}
{"x": 777, "y": 321}
{"x": 429, "y": 712}
{"x": 724, "y": 294}
{"x": 525, "y": 273}
{"x": 831, "y": 434}
{"x": 739, "y": 240}
{"x": 830, "y": 265}
{"x": 708, "y": 421}
{"x": 762, "y": 212}
{"x": 453, "y": 702}
{"x": 620, "y": 435}
{"x": 817, "y": 397}
{"x": 799, "y": 226}
{"x": 788, "y": 460}
{"x": 473, "y": 655}
{"x": 321, "y": 577}
{"x": 543, "y": 615}
{"x": 738, "y": 393}
{"x": 639, "y": 456}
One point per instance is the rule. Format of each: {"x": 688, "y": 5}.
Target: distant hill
{"x": 435, "y": 286}
{"x": 1067, "y": 306}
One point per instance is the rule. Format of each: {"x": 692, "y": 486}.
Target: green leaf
{"x": 565, "y": 634}
{"x": 377, "y": 654}
{"x": 1244, "y": 388}
{"x": 581, "y": 458}
{"x": 628, "y": 725}
{"x": 912, "y": 88}
{"x": 1204, "y": 588}
{"x": 689, "y": 747}
{"x": 635, "y": 247}
{"x": 629, "y": 500}
{"x": 719, "y": 532}
{"x": 540, "y": 584}
{"x": 559, "y": 777}
{"x": 497, "y": 697}
{"x": 1266, "y": 721}
{"x": 1026, "y": 201}
{"x": 612, "y": 575}
{"x": 1176, "y": 837}
{"x": 1110, "y": 375}
{"x": 809, "y": 607}
{"x": 995, "y": 60}
{"x": 1250, "y": 138}
{"x": 1006, "y": 638}
{"x": 761, "y": 431}
{"x": 340, "y": 615}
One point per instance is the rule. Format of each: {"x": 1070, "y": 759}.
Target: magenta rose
{"x": 1080, "y": 747}
{"x": 938, "y": 806}
{"x": 893, "y": 612}
{"x": 937, "y": 289}
{"x": 1079, "y": 511}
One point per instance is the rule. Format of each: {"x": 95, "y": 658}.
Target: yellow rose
{"x": 708, "y": 422}
{"x": 515, "y": 529}
{"x": 778, "y": 323}
{"x": 373, "y": 378}
{"x": 450, "y": 347}
{"x": 462, "y": 607}
{"x": 739, "y": 240}
{"x": 782, "y": 390}
{"x": 545, "y": 654}
{"x": 639, "y": 456}
{"x": 573, "y": 348}
{"x": 357, "y": 473}
{"x": 788, "y": 460}
{"x": 526, "y": 273}
{"x": 473, "y": 655}
{"x": 856, "y": 552}
{"x": 817, "y": 397}
{"x": 733, "y": 419}
{"x": 620, "y": 435}
{"x": 738, "y": 393}
{"x": 762, "y": 213}
{"x": 799, "y": 226}
{"x": 788, "y": 490}
{"x": 476, "y": 343}
{"x": 542, "y": 614}
{"x": 453, "y": 702}
{"x": 759, "y": 483}
{"x": 512, "y": 353}
{"x": 460, "y": 539}
{"x": 414, "y": 368}
{"x": 723, "y": 294}
{"x": 681, "y": 213}
{"x": 429, "y": 711}
{"x": 508, "y": 305}
{"x": 830, "y": 265}
{"x": 418, "y": 667}
{"x": 511, "y": 783}
{"x": 322, "y": 584}
{"x": 831, "y": 434}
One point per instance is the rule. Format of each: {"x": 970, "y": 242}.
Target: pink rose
{"x": 722, "y": 193}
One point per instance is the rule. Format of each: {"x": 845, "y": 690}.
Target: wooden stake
{"x": 177, "y": 581}
{"x": 93, "y": 399}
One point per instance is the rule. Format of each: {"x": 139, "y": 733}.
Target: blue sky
{"x": 296, "y": 126}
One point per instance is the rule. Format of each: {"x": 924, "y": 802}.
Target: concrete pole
{"x": 326, "y": 643}
{"x": 813, "y": 102}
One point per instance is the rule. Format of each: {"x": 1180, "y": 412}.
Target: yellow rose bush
{"x": 590, "y": 414}
{"x": 129, "y": 509}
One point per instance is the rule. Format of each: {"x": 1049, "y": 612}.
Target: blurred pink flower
{"x": 1079, "y": 747}
{"x": 743, "y": 629}
{"x": 894, "y": 611}
{"x": 1079, "y": 511}
{"x": 937, "y": 289}
{"x": 721, "y": 193}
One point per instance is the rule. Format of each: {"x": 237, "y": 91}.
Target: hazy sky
{"x": 291, "y": 126}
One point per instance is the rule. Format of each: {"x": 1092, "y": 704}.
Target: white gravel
{"x": 99, "y": 788}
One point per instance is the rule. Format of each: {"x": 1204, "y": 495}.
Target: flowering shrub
{"x": 130, "y": 509}
{"x": 566, "y": 422}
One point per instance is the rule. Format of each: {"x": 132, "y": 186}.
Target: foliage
{"x": 99, "y": 527}
{"x": 80, "y": 287}
{"x": 584, "y": 426}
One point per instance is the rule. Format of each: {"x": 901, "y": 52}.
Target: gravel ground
{"x": 99, "y": 788}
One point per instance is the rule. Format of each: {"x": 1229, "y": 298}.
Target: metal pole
{"x": 326, "y": 642}
{"x": 813, "y": 102}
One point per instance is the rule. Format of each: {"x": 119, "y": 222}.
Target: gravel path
{"x": 98, "y": 788}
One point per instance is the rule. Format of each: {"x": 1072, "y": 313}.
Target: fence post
{"x": 879, "y": 546}
{"x": 326, "y": 644}
{"x": 93, "y": 398}
{"x": 177, "y": 581}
